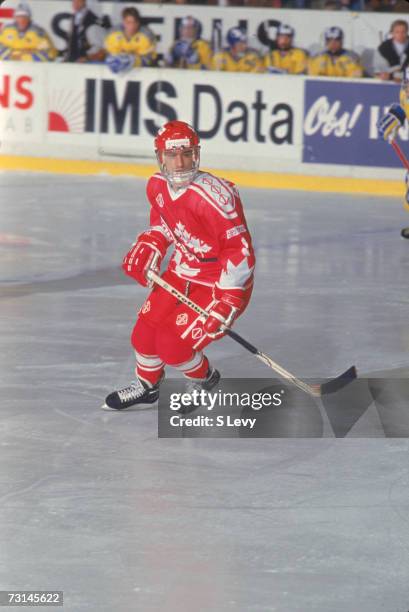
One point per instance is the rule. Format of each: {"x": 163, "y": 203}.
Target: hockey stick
{"x": 400, "y": 154}
{"x": 315, "y": 390}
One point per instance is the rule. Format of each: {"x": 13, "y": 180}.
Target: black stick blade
{"x": 340, "y": 381}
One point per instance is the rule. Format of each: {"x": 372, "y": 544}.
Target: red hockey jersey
{"x": 206, "y": 223}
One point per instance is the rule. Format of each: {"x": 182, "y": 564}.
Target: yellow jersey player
{"x": 335, "y": 61}
{"x": 238, "y": 57}
{"x": 189, "y": 50}
{"x": 132, "y": 45}
{"x": 24, "y": 41}
{"x": 389, "y": 125}
{"x": 286, "y": 59}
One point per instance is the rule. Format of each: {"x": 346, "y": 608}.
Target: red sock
{"x": 149, "y": 366}
{"x": 197, "y": 367}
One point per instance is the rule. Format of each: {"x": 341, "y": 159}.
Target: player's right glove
{"x": 146, "y": 253}
{"x": 391, "y": 122}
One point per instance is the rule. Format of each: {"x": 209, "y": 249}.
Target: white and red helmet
{"x": 173, "y": 137}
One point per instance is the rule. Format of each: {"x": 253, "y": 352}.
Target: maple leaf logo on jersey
{"x": 197, "y": 245}
{"x": 235, "y": 276}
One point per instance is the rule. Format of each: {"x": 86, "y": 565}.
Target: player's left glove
{"x": 391, "y": 122}
{"x": 224, "y": 312}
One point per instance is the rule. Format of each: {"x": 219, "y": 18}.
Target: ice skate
{"x": 194, "y": 387}
{"x": 138, "y": 395}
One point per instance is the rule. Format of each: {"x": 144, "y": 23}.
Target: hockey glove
{"x": 183, "y": 50}
{"x": 120, "y": 63}
{"x": 224, "y": 312}
{"x": 391, "y": 122}
{"x": 146, "y": 253}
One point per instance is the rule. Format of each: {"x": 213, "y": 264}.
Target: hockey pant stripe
{"x": 149, "y": 362}
{"x": 149, "y": 368}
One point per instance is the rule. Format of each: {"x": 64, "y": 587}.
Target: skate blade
{"x": 131, "y": 408}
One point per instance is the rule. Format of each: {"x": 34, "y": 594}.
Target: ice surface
{"x": 94, "y": 504}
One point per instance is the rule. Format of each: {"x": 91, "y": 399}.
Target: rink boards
{"x": 255, "y": 123}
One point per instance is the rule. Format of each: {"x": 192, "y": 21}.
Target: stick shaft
{"x": 262, "y": 356}
{"x": 400, "y": 154}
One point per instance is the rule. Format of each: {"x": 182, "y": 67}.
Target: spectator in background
{"x": 351, "y": 5}
{"x": 189, "y": 50}
{"x": 237, "y": 57}
{"x": 392, "y": 56}
{"x": 23, "y": 40}
{"x": 335, "y": 61}
{"x": 86, "y": 38}
{"x": 131, "y": 45}
{"x": 386, "y": 6}
{"x": 286, "y": 59}
{"x": 331, "y": 5}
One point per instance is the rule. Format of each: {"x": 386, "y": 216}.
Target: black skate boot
{"x": 138, "y": 395}
{"x": 192, "y": 386}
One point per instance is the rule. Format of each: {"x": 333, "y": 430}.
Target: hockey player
{"x": 25, "y": 41}
{"x": 189, "y": 50}
{"x": 391, "y": 122}
{"x": 201, "y": 215}
{"x": 286, "y": 59}
{"x": 238, "y": 57}
{"x": 131, "y": 45}
{"x": 335, "y": 61}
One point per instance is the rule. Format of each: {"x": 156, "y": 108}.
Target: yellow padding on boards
{"x": 259, "y": 180}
